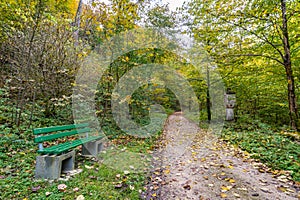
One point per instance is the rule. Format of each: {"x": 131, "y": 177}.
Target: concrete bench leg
{"x": 92, "y": 148}
{"x": 51, "y": 166}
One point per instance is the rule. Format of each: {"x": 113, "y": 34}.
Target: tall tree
{"x": 264, "y": 30}
{"x": 287, "y": 63}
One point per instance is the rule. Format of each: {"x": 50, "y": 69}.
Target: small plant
{"x": 276, "y": 150}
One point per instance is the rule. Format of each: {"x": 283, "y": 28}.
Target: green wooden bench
{"x": 61, "y": 157}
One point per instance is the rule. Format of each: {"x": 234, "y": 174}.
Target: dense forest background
{"x": 250, "y": 47}
{"x": 255, "y": 46}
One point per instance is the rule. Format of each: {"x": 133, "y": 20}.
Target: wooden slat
{"x": 58, "y": 149}
{"x": 60, "y": 135}
{"x": 38, "y": 131}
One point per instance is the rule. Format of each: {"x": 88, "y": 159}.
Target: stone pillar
{"x": 51, "y": 166}
{"x": 230, "y": 101}
{"x": 92, "y": 148}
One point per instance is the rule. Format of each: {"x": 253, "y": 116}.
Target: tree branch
{"x": 257, "y": 55}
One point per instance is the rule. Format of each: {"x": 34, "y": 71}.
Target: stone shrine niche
{"x": 230, "y": 102}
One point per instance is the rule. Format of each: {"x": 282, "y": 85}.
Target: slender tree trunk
{"x": 32, "y": 109}
{"x": 208, "y": 95}
{"x": 77, "y": 22}
{"x": 293, "y": 111}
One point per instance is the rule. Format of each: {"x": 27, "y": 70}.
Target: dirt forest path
{"x": 193, "y": 164}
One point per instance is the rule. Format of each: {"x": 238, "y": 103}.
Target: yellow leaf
{"x": 98, "y": 28}
{"x": 231, "y": 180}
{"x": 154, "y": 195}
{"x": 223, "y": 195}
{"x": 261, "y": 170}
{"x": 225, "y": 188}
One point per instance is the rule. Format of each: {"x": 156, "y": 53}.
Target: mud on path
{"x": 194, "y": 164}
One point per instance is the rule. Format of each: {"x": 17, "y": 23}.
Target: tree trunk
{"x": 293, "y": 111}
{"x": 208, "y": 107}
{"x": 77, "y": 22}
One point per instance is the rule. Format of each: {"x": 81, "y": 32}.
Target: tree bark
{"x": 77, "y": 22}
{"x": 208, "y": 107}
{"x": 293, "y": 110}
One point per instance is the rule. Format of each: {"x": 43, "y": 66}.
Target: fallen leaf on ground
{"x": 187, "y": 187}
{"x": 236, "y": 195}
{"x": 48, "y": 194}
{"x": 80, "y": 197}
{"x": 131, "y": 187}
{"x": 223, "y": 195}
{"x": 118, "y": 186}
{"x": 225, "y": 188}
{"x": 243, "y": 189}
{"x": 35, "y": 189}
{"x": 231, "y": 180}
{"x": 265, "y": 190}
{"x": 62, "y": 187}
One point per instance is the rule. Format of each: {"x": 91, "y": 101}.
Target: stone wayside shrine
{"x": 230, "y": 101}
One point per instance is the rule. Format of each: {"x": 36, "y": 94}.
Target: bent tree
{"x": 266, "y": 31}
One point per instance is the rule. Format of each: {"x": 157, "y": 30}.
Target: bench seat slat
{"x": 58, "y": 149}
{"x": 38, "y": 131}
{"x": 60, "y": 135}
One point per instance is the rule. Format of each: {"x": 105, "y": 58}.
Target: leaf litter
{"x": 191, "y": 163}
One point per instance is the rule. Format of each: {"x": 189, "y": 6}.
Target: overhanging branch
{"x": 257, "y": 55}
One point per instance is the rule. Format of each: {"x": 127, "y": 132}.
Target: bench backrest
{"x": 55, "y": 132}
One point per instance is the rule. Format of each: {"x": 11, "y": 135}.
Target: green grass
{"x": 278, "y": 151}
{"x": 17, "y": 164}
